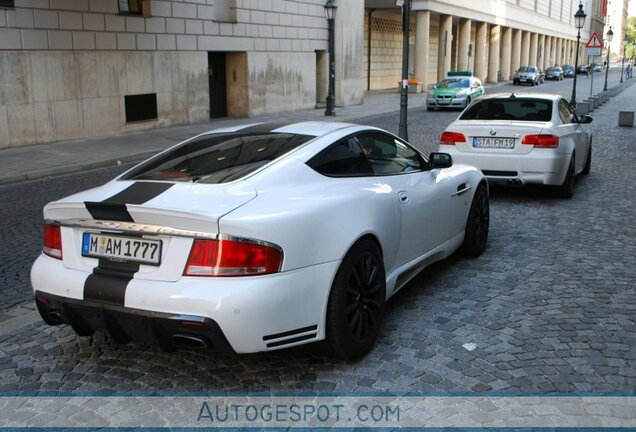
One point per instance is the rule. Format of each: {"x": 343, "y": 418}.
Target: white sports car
{"x": 256, "y": 238}
{"x": 519, "y": 139}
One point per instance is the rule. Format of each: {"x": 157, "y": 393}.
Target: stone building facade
{"x": 72, "y": 69}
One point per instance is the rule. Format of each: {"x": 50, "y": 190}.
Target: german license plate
{"x": 489, "y": 142}
{"x": 121, "y": 248}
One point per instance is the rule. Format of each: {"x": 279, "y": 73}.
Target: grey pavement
{"x": 549, "y": 307}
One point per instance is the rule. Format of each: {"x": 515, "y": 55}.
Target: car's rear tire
{"x": 356, "y": 302}
{"x": 566, "y": 189}
{"x": 588, "y": 161}
{"x": 477, "y": 224}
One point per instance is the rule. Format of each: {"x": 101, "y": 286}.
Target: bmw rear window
{"x": 518, "y": 109}
{"x": 217, "y": 158}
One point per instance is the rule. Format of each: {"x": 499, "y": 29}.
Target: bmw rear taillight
{"x": 232, "y": 258}
{"x": 541, "y": 141}
{"x": 52, "y": 241}
{"x": 450, "y": 138}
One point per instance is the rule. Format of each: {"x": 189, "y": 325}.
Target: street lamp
{"x": 623, "y": 64}
{"x": 404, "y": 87}
{"x": 579, "y": 20}
{"x": 330, "y": 13}
{"x": 609, "y": 36}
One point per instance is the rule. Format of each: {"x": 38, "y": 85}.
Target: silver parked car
{"x": 554, "y": 73}
{"x": 527, "y": 75}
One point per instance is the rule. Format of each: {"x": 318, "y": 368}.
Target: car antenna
{"x": 512, "y": 96}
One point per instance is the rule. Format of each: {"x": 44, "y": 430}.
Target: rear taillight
{"x": 541, "y": 141}
{"x": 450, "y": 138}
{"x": 232, "y": 258}
{"x": 52, "y": 241}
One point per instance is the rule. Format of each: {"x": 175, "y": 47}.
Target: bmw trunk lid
{"x": 495, "y": 136}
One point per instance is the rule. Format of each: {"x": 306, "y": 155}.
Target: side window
{"x": 388, "y": 155}
{"x": 565, "y": 112}
{"x": 343, "y": 159}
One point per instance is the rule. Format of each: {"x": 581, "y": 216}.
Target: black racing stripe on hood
{"x": 265, "y": 127}
{"x": 114, "y": 208}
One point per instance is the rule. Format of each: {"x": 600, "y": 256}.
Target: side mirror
{"x": 585, "y": 119}
{"x": 440, "y": 160}
{"x": 434, "y": 86}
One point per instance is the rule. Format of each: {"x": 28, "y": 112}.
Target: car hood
{"x": 188, "y": 206}
{"x": 452, "y": 91}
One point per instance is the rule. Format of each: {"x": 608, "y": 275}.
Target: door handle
{"x": 403, "y": 196}
{"x": 462, "y": 188}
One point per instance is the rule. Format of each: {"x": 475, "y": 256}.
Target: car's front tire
{"x": 477, "y": 224}
{"x": 356, "y": 302}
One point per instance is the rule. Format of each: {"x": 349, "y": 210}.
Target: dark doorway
{"x": 218, "y": 85}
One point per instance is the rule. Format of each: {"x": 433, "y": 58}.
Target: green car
{"x": 456, "y": 91}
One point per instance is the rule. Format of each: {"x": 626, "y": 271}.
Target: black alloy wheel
{"x": 477, "y": 224}
{"x": 356, "y": 302}
{"x": 566, "y": 189}
{"x": 588, "y": 161}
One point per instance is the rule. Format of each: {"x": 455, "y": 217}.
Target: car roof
{"x": 544, "y": 96}
{"x": 311, "y": 128}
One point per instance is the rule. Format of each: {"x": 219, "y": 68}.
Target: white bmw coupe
{"x": 522, "y": 139}
{"x": 257, "y": 238}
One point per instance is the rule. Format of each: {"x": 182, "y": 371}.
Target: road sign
{"x": 594, "y": 42}
{"x": 593, "y": 52}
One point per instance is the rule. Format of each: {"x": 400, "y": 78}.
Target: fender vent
{"x": 291, "y": 336}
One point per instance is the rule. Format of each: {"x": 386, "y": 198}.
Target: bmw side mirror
{"x": 440, "y": 160}
{"x": 585, "y": 119}
{"x": 434, "y": 86}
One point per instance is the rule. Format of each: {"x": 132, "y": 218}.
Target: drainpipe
{"x": 369, "y": 51}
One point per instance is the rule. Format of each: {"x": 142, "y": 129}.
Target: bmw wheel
{"x": 356, "y": 302}
{"x": 477, "y": 224}
{"x": 566, "y": 189}
{"x": 588, "y": 161}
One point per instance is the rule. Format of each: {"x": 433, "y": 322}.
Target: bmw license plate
{"x": 489, "y": 142}
{"x": 121, "y": 248}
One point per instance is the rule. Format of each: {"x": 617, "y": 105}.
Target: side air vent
{"x": 291, "y": 336}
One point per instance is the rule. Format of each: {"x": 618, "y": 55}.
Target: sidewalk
{"x": 18, "y": 164}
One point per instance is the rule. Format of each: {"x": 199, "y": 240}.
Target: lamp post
{"x": 609, "y": 36}
{"x": 579, "y": 20}
{"x": 330, "y": 13}
{"x": 404, "y": 87}
{"x": 623, "y": 64}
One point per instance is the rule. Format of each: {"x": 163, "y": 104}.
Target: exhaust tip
{"x": 189, "y": 341}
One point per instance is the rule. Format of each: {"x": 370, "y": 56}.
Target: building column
{"x": 541, "y": 50}
{"x": 422, "y": 32}
{"x": 481, "y": 51}
{"x": 525, "y": 48}
{"x": 555, "y": 51}
{"x": 558, "y": 60}
{"x": 515, "y": 62}
{"x": 534, "y": 41}
{"x": 349, "y": 50}
{"x": 547, "y": 52}
{"x": 494, "y": 52}
{"x": 506, "y": 52}
{"x": 445, "y": 39}
{"x": 465, "y": 28}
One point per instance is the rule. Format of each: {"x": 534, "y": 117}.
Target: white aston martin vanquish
{"x": 256, "y": 238}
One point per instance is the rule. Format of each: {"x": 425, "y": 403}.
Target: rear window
{"x": 217, "y": 158}
{"x": 520, "y": 109}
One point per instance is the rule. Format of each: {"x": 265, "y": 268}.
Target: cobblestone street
{"x": 549, "y": 307}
